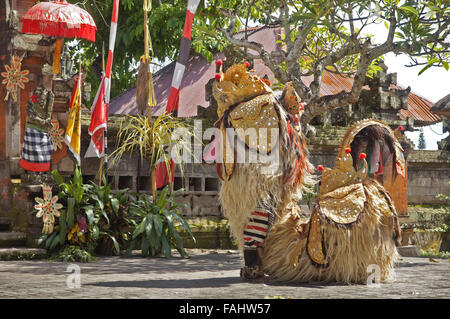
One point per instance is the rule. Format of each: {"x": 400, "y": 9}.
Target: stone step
{"x": 22, "y": 253}
{"x": 12, "y": 239}
{"x": 409, "y": 251}
{"x": 4, "y": 223}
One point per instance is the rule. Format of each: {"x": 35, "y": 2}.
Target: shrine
{"x": 32, "y": 109}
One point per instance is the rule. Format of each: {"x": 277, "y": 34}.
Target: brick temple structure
{"x": 16, "y": 198}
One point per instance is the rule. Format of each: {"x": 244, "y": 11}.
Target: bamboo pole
{"x": 100, "y": 169}
{"x": 81, "y": 88}
{"x": 147, "y": 8}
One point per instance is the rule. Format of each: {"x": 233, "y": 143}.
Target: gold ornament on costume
{"x": 254, "y": 107}
{"x": 237, "y": 85}
{"x": 258, "y": 113}
{"x": 342, "y": 175}
{"x": 346, "y": 194}
{"x": 314, "y": 245}
{"x": 357, "y": 127}
{"x": 291, "y": 100}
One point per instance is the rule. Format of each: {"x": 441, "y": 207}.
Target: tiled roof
{"x": 419, "y": 108}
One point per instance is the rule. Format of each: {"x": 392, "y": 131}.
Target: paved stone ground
{"x": 207, "y": 274}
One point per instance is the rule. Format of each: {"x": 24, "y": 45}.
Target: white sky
{"x": 433, "y": 85}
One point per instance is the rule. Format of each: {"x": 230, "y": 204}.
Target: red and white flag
{"x": 183, "y": 57}
{"x": 100, "y": 107}
{"x": 99, "y": 120}
{"x": 162, "y": 175}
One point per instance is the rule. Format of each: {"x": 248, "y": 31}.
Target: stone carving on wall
{"x": 14, "y": 77}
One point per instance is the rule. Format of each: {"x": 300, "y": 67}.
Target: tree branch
{"x": 267, "y": 57}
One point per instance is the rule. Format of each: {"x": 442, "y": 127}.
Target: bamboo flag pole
{"x": 100, "y": 169}
{"x": 147, "y": 9}
{"x": 79, "y": 119}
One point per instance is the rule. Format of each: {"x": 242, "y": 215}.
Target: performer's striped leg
{"x": 254, "y": 235}
{"x": 256, "y": 231}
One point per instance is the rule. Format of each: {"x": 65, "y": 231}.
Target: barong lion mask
{"x": 246, "y": 103}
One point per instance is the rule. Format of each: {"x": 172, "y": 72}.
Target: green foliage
{"x": 309, "y": 194}
{"x": 50, "y": 242}
{"x": 73, "y": 194}
{"x": 434, "y": 254}
{"x": 72, "y": 254}
{"x": 150, "y": 138}
{"x": 157, "y": 225}
{"x": 114, "y": 222}
{"x": 446, "y": 206}
{"x": 107, "y": 218}
{"x": 93, "y": 207}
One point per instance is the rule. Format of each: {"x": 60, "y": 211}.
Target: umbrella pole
{"x": 57, "y": 57}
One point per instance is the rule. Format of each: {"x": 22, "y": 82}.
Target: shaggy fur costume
{"x": 331, "y": 246}
{"x": 349, "y": 250}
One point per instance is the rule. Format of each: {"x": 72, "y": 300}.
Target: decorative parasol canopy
{"x": 59, "y": 19}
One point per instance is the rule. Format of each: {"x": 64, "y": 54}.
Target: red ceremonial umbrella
{"x": 59, "y": 19}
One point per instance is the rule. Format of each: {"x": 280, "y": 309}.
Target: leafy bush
{"x": 108, "y": 219}
{"x": 446, "y": 206}
{"x": 72, "y": 254}
{"x": 72, "y": 194}
{"x": 93, "y": 218}
{"x": 157, "y": 225}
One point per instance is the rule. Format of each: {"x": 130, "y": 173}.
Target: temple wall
{"x": 428, "y": 173}
{"x": 426, "y": 181}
